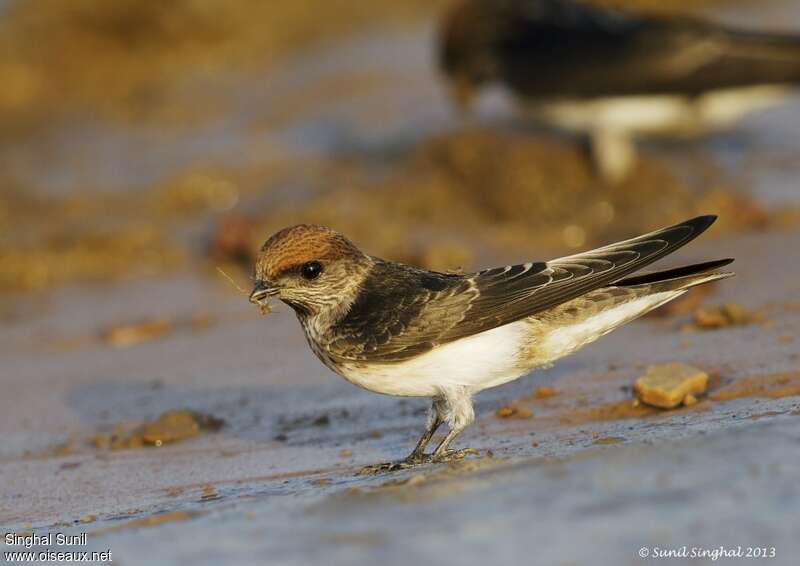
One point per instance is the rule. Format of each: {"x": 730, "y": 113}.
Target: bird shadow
{"x": 329, "y": 414}
{"x": 265, "y": 413}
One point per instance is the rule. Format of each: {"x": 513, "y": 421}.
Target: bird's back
{"x": 567, "y": 49}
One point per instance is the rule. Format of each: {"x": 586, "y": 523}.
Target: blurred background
{"x": 144, "y": 138}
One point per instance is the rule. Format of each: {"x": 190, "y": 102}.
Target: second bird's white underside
{"x": 612, "y": 123}
{"x": 661, "y": 114}
{"x": 496, "y": 356}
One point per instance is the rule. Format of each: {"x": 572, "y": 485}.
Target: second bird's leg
{"x": 613, "y": 152}
{"x": 435, "y": 420}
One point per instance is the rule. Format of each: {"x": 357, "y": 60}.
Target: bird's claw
{"x": 417, "y": 460}
{"x": 453, "y": 455}
{"x": 385, "y": 467}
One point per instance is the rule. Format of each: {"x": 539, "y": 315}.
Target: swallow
{"x": 400, "y": 330}
{"x": 614, "y": 74}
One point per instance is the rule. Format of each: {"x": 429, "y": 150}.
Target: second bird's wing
{"x": 563, "y": 48}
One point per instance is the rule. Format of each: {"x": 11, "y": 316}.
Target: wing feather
{"x": 581, "y": 50}
{"x": 403, "y": 312}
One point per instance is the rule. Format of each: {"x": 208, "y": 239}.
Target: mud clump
{"x": 208, "y": 493}
{"x": 513, "y": 412}
{"x": 686, "y": 304}
{"x": 173, "y": 426}
{"x": 125, "y": 335}
{"x": 544, "y": 392}
{"x": 729, "y": 314}
{"x": 170, "y": 427}
{"x": 669, "y": 385}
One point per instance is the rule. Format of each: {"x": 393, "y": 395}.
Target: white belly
{"x": 490, "y": 356}
{"x": 661, "y": 114}
{"x": 564, "y": 340}
{"x": 496, "y": 356}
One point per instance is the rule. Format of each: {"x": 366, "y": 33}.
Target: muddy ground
{"x": 586, "y": 476}
{"x": 144, "y": 402}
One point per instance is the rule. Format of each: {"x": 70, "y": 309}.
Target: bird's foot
{"x": 388, "y": 467}
{"x": 418, "y": 460}
{"x": 413, "y": 459}
{"x": 453, "y": 455}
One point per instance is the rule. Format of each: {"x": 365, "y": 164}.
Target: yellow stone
{"x": 669, "y": 385}
{"x": 504, "y": 412}
{"x": 523, "y": 413}
{"x": 170, "y": 427}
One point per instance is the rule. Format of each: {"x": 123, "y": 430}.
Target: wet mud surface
{"x": 282, "y": 471}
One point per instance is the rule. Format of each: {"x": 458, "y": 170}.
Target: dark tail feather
{"x": 676, "y": 273}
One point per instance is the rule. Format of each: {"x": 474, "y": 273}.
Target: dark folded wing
{"x": 420, "y": 310}
{"x": 510, "y": 294}
{"x": 562, "y": 48}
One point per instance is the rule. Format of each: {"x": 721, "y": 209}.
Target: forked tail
{"x": 679, "y": 278}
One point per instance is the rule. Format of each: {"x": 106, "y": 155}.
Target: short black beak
{"x": 261, "y": 291}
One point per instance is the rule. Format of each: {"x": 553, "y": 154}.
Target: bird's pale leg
{"x": 613, "y": 153}
{"x": 459, "y": 416}
{"x": 435, "y": 420}
{"x": 436, "y": 416}
{"x": 454, "y": 407}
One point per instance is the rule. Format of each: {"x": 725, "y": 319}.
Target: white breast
{"x": 490, "y": 357}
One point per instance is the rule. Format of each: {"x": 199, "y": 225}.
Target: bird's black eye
{"x": 311, "y": 270}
